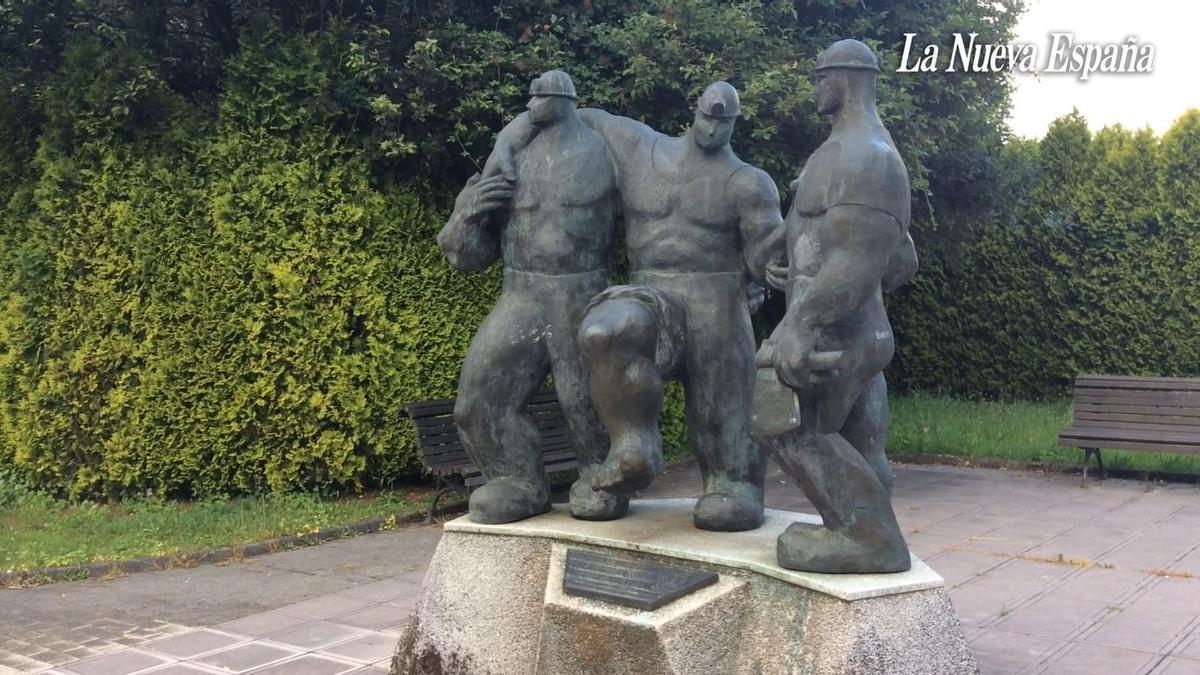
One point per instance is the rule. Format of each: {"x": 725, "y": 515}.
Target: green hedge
{"x": 1095, "y": 267}
{"x": 201, "y": 304}
{"x": 206, "y": 305}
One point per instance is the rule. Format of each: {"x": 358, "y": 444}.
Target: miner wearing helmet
{"x": 699, "y": 225}
{"x": 553, "y": 230}
{"x": 847, "y": 241}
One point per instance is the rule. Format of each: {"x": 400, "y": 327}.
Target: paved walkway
{"x": 1048, "y": 575}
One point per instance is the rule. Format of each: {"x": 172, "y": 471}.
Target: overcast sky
{"x": 1133, "y": 100}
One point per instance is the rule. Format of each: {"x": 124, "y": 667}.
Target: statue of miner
{"x": 847, "y": 242}
{"x": 700, "y": 224}
{"x": 556, "y": 243}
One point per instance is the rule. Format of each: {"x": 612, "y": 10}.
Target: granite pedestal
{"x": 493, "y": 602}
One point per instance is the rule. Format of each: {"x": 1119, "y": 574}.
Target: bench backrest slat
{"x": 1158, "y": 414}
{"x": 1137, "y": 383}
{"x": 442, "y": 450}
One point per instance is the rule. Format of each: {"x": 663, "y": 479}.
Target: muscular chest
{"x": 562, "y": 175}
{"x": 697, "y": 197}
{"x": 814, "y": 186}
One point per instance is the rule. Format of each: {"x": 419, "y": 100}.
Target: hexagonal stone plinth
{"x": 493, "y": 602}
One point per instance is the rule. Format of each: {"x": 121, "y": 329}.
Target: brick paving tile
{"x": 1150, "y": 550}
{"x": 1189, "y": 647}
{"x": 1171, "y": 595}
{"x": 387, "y": 589}
{"x": 1189, "y": 564}
{"x": 960, "y": 567}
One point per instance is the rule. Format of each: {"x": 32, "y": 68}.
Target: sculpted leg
{"x": 618, "y": 340}
{"x": 860, "y": 532}
{"x": 588, "y": 437}
{"x": 505, "y": 365}
{"x": 866, "y": 429}
{"x": 719, "y": 389}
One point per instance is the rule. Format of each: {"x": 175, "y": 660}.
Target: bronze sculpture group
{"x": 700, "y": 226}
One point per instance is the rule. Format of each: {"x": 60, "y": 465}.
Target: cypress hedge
{"x": 1094, "y": 268}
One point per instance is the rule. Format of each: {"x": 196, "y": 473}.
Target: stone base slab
{"x": 492, "y": 602}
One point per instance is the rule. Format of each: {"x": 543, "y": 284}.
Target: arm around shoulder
{"x": 764, "y": 240}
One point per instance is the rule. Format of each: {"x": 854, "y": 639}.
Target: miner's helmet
{"x": 720, "y": 100}
{"x": 848, "y": 54}
{"x": 553, "y": 83}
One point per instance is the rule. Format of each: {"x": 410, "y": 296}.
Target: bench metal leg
{"x": 1087, "y": 453}
{"x": 446, "y": 487}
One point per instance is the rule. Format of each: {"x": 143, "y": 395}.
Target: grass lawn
{"x": 37, "y": 531}
{"x": 1018, "y": 431}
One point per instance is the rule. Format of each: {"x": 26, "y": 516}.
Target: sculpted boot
{"x": 733, "y": 506}
{"x": 588, "y": 503}
{"x": 505, "y": 500}
{"x": 860, "y": 534}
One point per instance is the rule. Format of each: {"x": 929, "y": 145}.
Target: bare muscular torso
{"x": 562, "y": 218}
{"x": 834, "y": 176}
{"x": 678, "y": 216}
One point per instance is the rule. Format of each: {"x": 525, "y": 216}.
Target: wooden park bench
{"x": 1154, "y": 414}
{"x": 443, "y": 454}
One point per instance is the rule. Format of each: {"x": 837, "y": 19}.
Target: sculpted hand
{"x": 481, "y": 196}
{"x": 777, "y": 275}
{"x": 792, "y": 352}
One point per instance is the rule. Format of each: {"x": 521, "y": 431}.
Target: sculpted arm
{"x": 470, "y": 239}
{"x": 858, "y": 243}
{"x": 621, "y": 134}
{"x": 512, "y": 139}
{"x": 763, "y": 236}
{"x": 902, "y": 265}
{"x": 856, "y": 246}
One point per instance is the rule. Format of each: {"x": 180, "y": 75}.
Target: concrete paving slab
{"x": 328, "y": 606}
{"x": 1088, "y": 659}
{"x": 309, "y": 664}
{"x": 193, "y": 643}
{"x": 263, "y": 624}
{"x": 125, "y": 662}
{"x": 247, "y": 657}
{"x": 1138, "y": 628}
{"x": 384, "y": 616}
{"x": 1000, "y": 651}
{"x": 317, "y": 634}
{"x": 1190, "y": 647}
{"x": 1174, "y": 665}
{"x": 369, "y": 649}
